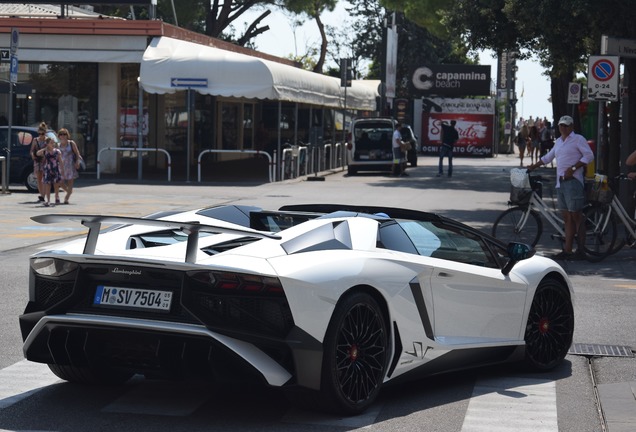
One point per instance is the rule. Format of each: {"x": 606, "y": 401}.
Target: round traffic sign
{"x": 15, "y": 37}
{"x": 603, "y": 70}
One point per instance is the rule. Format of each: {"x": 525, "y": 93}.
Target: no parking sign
{"x": 602, "y": 78}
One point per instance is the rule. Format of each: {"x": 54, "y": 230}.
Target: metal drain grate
{"x": 601, "y": 350}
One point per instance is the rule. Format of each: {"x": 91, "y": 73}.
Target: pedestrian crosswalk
{"x": 497, "y": 403}
{"x": 512, "y": 403}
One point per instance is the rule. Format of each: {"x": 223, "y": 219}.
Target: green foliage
{"x": 307, "y": 61}
{"x": 309, "y": 7}
{"x": 417, "y": 45}
{"x": 190, "y": 13}
{"x": 429, "y": 14}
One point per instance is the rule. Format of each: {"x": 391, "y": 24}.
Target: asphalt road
{"x": 478, "y": 192}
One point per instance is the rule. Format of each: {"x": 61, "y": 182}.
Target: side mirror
{"x": 517, "y": 252}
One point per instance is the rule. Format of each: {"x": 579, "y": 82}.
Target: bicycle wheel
{"x": 600, "y": 232}
{"x": 623, "y": 236}
{"x": 518, "y": 224}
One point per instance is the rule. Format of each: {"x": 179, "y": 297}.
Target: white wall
{"x": 108, "y": 115}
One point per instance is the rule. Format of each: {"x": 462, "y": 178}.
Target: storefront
{"x": 84, "y": 73}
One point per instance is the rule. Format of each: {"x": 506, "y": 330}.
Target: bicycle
{"x": 611, "y": 212}
{"x": 523, "y": 223}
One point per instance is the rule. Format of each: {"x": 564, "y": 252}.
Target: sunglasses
{"x": 63, "y": 134}
{"x": 41, "y": 133}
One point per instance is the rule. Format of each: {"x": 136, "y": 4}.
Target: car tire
{"x": 550, "y": 326}
{"x": 31, "y": 181}
{"x": 86, "y": 375}
{"x": 351, "y": 170}
{"x": 355, "y": 355}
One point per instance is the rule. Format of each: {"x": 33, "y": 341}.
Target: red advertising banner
{"x": 128, "y": 121}
{"x": 475, "y": 125}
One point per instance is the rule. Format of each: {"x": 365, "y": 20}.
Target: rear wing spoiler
{"x": 192, "y": 229}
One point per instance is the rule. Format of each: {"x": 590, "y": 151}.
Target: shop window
{"x": 128, "y": 111}
{"x": 64, "y": 95}
{"x": 248, "y": 126}
{"x": 230, "y": 125}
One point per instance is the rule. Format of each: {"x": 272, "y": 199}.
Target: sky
{"x": 282, "y": 40}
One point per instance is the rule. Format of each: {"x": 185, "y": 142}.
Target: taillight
{"x": 52, "y": 266}
{"x": 238, "y": 283}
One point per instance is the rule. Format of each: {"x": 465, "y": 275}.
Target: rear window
{"x": 378, "y": 133}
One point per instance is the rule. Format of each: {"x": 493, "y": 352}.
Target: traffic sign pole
{"x": 13, "y": 78}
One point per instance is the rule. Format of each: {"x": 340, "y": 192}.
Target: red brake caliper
{"x": 353, "y": 352}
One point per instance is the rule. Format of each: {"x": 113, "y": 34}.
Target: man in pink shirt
{"x": 572, "y": 154}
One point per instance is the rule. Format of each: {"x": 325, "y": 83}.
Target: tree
{"x": 214, "y": 18}
{"x": 563, "y": 33}
{"x": 417, "y": 46}
{"x": 428, "y": 14}
{"x": 313, "y": 9}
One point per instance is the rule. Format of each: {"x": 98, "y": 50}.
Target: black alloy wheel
{"x": 550, "y": 326}
{"x": 355, "y": 355}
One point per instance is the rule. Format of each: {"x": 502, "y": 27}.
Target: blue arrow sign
{"x": 13, "y": 71}
{"x": 188, "y": 82}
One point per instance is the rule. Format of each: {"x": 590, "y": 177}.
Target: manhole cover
{"x": 601, "y": 350}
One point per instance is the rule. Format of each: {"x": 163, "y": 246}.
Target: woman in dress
{"x": 70, "y": 160}
{"x": 52, "y": 170}
{"x": 38, "y": 144}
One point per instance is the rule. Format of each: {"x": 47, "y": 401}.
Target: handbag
{"x": 82, "y": 165}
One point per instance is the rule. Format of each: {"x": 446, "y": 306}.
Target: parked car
{"x": 21, "y": 164}
{"x": 370, "y": 146}
{"x": 327, "y": 302}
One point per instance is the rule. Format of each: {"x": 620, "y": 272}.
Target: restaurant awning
{"x": 170, "y": 65}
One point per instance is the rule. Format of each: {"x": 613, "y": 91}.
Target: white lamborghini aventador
{"x": 327, "y": 300}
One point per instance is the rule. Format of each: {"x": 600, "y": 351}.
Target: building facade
{"x": 90, "y": 74}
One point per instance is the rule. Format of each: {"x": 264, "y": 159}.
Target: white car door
{"x": 473, "y": 302}
{"x": 475, "y": 305}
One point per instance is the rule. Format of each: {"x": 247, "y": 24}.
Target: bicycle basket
{"x": 520, "y": 196}
{"x": 519, "y": 178}
{"x": 596, "y": 193}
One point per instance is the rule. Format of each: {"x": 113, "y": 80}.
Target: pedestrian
{"x": 398, "y": 147}
{"x": 71, "y": 161}
{"x": 547, "y": 140}
{"x": 572, "y": 153}
{"x": 449, "y": 137}
{"x": 52, "y": 170}
{"x": 38, "y": 144}
{"x": 534, "y": 144}
{"x": 522, "y": 142}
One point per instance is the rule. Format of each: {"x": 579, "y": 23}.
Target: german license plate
{"x": 132, "y": 298}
